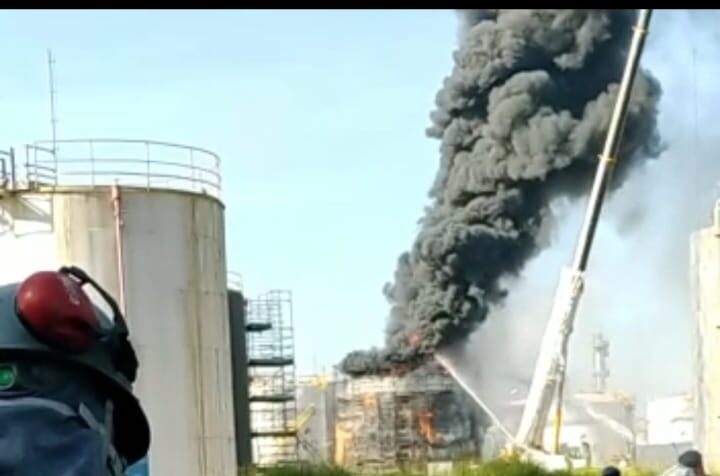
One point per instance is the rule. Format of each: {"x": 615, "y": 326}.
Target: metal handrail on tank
{"x": 148, "y": 164}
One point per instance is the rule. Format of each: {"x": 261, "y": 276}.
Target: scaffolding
{"x": 271, "y": 368}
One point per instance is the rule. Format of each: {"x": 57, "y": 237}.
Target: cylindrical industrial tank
{"x": 155, "y": 241}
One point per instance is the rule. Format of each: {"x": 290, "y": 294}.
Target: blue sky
{"x": 319, "y": 117}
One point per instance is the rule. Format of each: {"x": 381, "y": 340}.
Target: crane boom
{"x": 549, "y": 377}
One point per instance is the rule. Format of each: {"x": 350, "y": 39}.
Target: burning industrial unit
{"x": 521, "y": 119}
{"x": 516, "y": 133}
{"x": 425, "y": 416}
{"x": 390, "y": 421}
{"x": 428, "y": 416}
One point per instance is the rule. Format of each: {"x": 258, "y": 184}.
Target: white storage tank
{"x": 144, "y": 219}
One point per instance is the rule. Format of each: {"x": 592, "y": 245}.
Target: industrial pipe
{"x": 119, "y": 255}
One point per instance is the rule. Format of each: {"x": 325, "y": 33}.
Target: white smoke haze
{"x": 637, "y": 283}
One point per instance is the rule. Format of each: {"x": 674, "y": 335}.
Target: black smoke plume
{"x": 521, "y": 119}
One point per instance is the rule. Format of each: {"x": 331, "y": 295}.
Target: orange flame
{"x": 426, "y": 426}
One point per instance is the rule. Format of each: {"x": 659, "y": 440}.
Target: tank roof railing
{"x": 127, "y": 162}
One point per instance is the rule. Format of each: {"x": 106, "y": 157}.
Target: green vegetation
{"x": 500, "y": 467}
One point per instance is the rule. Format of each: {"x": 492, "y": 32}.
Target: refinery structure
{"x": 232, "y": 397}
{"x": 218, "y": 375}
{"x": 386, "y": 422}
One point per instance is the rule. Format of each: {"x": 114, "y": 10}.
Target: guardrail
{"x": 140, "y": 163}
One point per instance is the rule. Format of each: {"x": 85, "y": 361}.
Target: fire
{"x": 426, "y": 426}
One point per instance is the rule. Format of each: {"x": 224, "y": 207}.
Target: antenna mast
{"x": 53, "y": 118}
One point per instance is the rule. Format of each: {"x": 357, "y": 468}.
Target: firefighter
{"x": 610, "y": 471}
{"x": 66, "y": 375}
{"x": 692, "y": 460}
{"x": 689, "y": 463}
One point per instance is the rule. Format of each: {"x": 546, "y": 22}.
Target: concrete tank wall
{"x": 176, "y": 300}
{"x": 705, "y": 275}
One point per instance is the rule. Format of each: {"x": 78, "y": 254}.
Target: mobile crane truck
{"x": 549, "y": 376}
